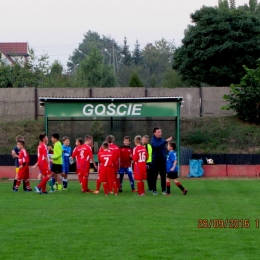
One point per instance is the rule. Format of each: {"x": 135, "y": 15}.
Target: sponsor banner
{"x": 111, "y": 109}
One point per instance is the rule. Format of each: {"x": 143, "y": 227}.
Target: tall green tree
{"x": 135, "y": 81}
{"x": 232, "y": 4}
{"x": 93, "y": 72}
{"x": 137, "y": 54}
{"x": 126, "y": 54}
{"x": 216, "y": 47}
{"x": 223, "y": 4}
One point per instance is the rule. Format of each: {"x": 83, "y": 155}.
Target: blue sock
{"x": 132, "y": 183}
{"x": 65, "y": 183}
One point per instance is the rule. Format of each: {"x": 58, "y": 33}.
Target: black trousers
{"x": 149, "y": 176}
{"x": 159, "y": 167}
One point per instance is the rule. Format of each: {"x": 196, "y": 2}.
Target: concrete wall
{"x": 19, "y": 103}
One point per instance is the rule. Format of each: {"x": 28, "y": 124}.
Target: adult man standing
{"x": 159, "y": 159}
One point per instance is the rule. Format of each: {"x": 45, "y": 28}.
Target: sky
{"x": 56, "y": 27}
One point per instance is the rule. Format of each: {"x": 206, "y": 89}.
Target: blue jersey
{"x": 16, "y": 162}
{"x": 171, "y": 158}
{"x": 66, "y": 153}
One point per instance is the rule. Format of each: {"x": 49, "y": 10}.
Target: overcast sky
{"x": 56, "y": 27}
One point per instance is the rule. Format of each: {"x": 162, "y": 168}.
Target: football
{"x": 210, "y": 161}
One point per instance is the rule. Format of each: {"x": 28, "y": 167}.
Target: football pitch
{"x": 217, "y": 219}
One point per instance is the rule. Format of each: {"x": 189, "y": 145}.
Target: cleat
{"x": 37, "y": 189}
{"x": 111, "y": 192}
{"x": 140, "y": 195}
{"x": 96, "y": 191}
{"x": 28, "y": 190}
{"x": 88, "y": 190}
{"x": 168, "y": 194}
{"x": 51, "y": 191}
{"x": 64, "y": 188}
{"x": 116, "y": 194}
{"x": 120, "y": 190}
{"x": 44, "y": 192}
{"x": 185, "y": 192}
{"x": 15, "y": 190}
{"x": 134, "y": 190}
{"x": 164, "y": 193}
{"x": 155, "y": 193}
{"x": 106, "y": 194}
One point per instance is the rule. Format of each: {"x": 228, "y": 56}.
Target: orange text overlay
{"x": 227, "y": 223}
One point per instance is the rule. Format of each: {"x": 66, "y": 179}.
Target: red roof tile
{"x": 12, "y": 48}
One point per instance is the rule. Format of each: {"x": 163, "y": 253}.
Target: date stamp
{"x": 227, "y": 223}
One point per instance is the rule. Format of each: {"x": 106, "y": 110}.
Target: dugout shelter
{"x": 76, "y": 117}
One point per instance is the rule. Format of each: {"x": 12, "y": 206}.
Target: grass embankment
{"x": 203, "y": 135}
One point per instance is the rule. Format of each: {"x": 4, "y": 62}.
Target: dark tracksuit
{"x": 158, "y": 162}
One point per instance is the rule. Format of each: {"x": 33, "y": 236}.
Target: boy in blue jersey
{"x": 66, "y": 153}
{"x": 172, "y": 169}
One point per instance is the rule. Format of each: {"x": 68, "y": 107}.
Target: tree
{"x": 135, "y": 81}
{"x": 232, "y": 4}
{"x": 137, "y": 54}
{"x": 93, "y": 72}
{"x": 214, "y": 50}
{"x": 244, "y": 97}
{"x": 223, "y": 4}
{"x": 127, "y": 58}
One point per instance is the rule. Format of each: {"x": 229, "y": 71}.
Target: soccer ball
{"x": 209, "y": 161}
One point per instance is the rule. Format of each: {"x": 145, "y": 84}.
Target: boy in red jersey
{"x": 116, "y": 152}
{"x": 82, "y": 155}
{"x": 23, "y": 172}
{"x": 43, "y": 164}
{"x": 89, "y": 144}
{"x": 107, "y": 162}
{"x": 140, "y": 156}
{"x": 126, "y": 154}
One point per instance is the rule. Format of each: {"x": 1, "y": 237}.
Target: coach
{"x": 159, "y": 159}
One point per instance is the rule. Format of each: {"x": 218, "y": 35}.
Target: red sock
{"x": 168, "y": 187}
{"x": 87, "y": 183}
{"x": 43, "y": 182}
{"x": 44, "y": 187}
{"x": 18, "y": 182}
{"x": 110, "y": 186}
{"x": 142, "y": 187}
{"x": 139, "y": 187}
{"x": 84, "y": 184}
{"x": 115, "y": 187}
{"x": 177, "y": 183}
{"x": 118, "y": 183}
{"x": 27, "y": 184}
{"x": 79, "y": 178}
{"x": 98, "y": 183}
{"x": 105, "y": 188}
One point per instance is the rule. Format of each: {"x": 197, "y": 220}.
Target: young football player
{"x": 126, "y": 154}
{"x": 66, "y": 152}
{"x": 149, "y": 149}
{"x": 23, "y": 172}
{"x": 172, "y": 169}
{"x": 140, "y": 156}
{"x": 82, "y": 155}
{"x": 107, "y": 161}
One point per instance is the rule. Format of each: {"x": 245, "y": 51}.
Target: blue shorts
{"x": 125, "y": 170}
{"x": 66, "y": 167}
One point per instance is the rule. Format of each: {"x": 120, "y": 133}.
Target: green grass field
{"x": 72, "y": 225}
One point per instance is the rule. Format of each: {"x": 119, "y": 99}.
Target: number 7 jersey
{"x": 140, "y": 156}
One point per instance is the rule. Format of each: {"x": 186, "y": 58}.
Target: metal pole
{"x": 177, "y": 130}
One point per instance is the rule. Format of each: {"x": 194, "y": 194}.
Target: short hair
{"x": 146, "y": 136}
{"x": 79, "y": 140}
{"x": 41, "y": 136}
{"x": 138, "y": 139}
{"x": 127, "y": 137}
{"x": 173, "y": 145}
{"x": 21, "y": 142}
{"x": 110, "y": 139}
{"x": 88, "y": 137}
{"x": 64, "y": 138}
{"x": 56, "y": 136}
{"x": 155, "y": 129}
{"x": 19, "y": 138}
{"x": 105, "y": 145}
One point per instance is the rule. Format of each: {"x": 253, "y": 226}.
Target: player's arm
{"x": 172, "y": 158}
{"x": 20, "y": 160}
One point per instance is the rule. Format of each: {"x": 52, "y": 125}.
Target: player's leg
{"x": 178, "y": 184}
{"x": 87, "y": 176}
{"x": 163, "y": 177}
{"x": 149, "y": 177}
{"x": 121, "y": 178}
{"x": 105, "y": 188}
{"x": 16, "y": 177}
{"x": 131, "y": 179}
{"x": 154, "y": 173}
{"x": 168, "y": 184}
{"x": 27, "y": 179}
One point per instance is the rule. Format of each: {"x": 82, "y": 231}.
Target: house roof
{"x": 14, "y": 48}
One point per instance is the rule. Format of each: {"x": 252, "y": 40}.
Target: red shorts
{"x": 23, "y": 174}
{"x": 44, "y": 170}
{"x": 107, "y": 174}
{"x": 140, "y": 174}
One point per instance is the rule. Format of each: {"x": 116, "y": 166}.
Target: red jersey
{"x": 126, "y": 153}
{"x": 106, "y": 168}
{"x": 42, "y": 155}
{"x": 82, "y": 154}
{"x": 90, "y": 148}
{"x": 23, "y": 157}
{"x": 140, "y": 156}
{"x": 116, "y": 152}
